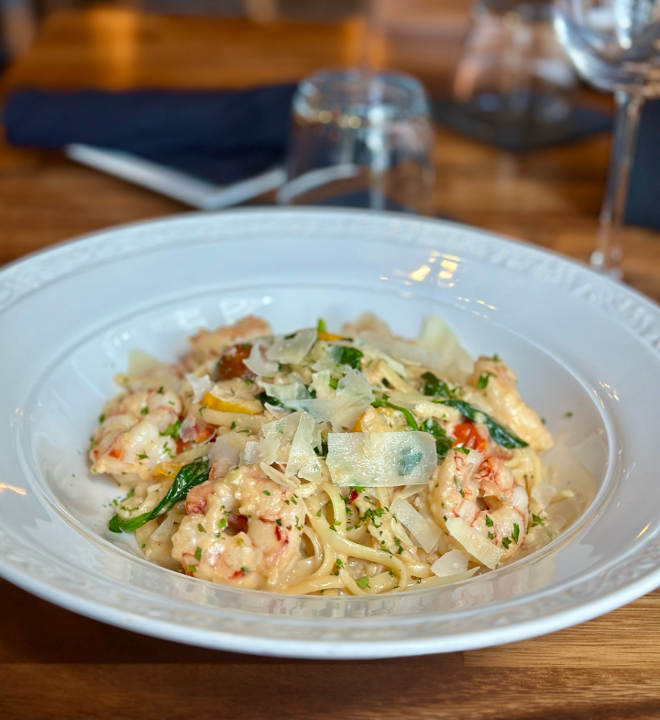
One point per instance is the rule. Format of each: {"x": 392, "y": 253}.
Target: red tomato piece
{"x": 468, "y": 436}
{"x": 231, "y": 364}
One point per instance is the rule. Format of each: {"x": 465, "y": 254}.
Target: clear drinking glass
{"x": 360, "y": 139}
{"x": 614, "y": 45}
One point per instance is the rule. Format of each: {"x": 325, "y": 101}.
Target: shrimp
{"x": 129, "y": 442}
{"x": 486, "y": 497}
{"x": 244, "y": 530}
{"x": 208, "y": 345}
{"x": 501, "y": 394}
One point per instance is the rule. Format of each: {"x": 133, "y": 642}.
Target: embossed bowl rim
{"x": 30, "y": 565}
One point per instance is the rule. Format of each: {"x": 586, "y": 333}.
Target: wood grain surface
{"x": 54, "y": 664}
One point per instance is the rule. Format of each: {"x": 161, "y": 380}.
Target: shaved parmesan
{"x": 225, "y": 453}
{"x": 321, "y": 385}
{"x": 372, "y": 351}
{"x": 292, "y": 349}
{"x": 438, "y": 337}
{"x": 290, "y": 443}
{"x": 251, "y": 453}
{"x": 478, "y": 546}
{"x": 426, "y": 532}
{"x": 164, "y": 530}
{"x": 294, "y": 390}
{"x": 141, "y": 363}
{"x": 257, "y": 362}
{"x": 354, "y": 395}
{"x": 453, "y": 562}
{"x": 200, "y": 386}
{"x": 302, "y": 460}
{"x": 381, "y": 459}
{"x": 276, "y": 475}
{"x": 403, "y": 351}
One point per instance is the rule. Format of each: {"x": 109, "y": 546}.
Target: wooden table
{"x": 54, "y": 664}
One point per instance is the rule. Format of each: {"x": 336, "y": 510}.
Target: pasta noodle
{"x": 280, "y": 463}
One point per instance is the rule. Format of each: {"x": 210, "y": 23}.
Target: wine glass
{"x": 615, "y": 46}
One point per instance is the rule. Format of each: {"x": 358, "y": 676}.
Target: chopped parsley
{"x": 568, "y": 415}
{"x": 489, "y": 522}
{"x": 264, "y": 398}
{"x": 372, "y": 515}
{"x": 265, "y": 492}
{"x": 143, "y": 456}
{"x": 482, "y": 382}
{"x": 233, "y": 425}
{"x": 173, "y": 430}
{"x": 191, "y": 568}
{"x": 101, "y": 419}
{"x": 434, "y": 386}
{"x": 333, "y": 382}
{"x": 363, "y": 582}
{"x": 198, "y": 553}
{"x": 398, "y": 544}
{"x": 536, "y": 520}
{"x": 516, "y": 533}
{"x": 200, "y": 527}
{"x": 443, "y": 444}
{"x": 347, "y": 356}
{"x": 506, "y": 542}
{"x": 491, "y": 536}
{"x": 222, "y": 523}
{"x": 320, "y": 326}
{"x": 464, "y": 450}
{"x": 384, "y": 402}
{"x": 144, "y": 411}
{"x": 160, "y": 390}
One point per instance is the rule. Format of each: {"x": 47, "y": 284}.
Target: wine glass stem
{"x": 607, "y": 255}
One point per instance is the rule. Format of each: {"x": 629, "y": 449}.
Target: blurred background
{"x": 520, "y": 145}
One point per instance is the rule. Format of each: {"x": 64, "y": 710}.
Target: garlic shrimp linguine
{"x": 352, "y": 463}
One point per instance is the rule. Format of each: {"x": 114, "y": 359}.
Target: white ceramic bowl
{"x": 579, "y": 343}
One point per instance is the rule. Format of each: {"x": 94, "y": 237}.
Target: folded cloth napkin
{"x": 222, "y": 137}
{"x": 578, "y": 123}
{"x": 643, "y": 207}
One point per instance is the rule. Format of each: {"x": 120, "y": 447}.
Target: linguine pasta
{"x": 309, "y": 463}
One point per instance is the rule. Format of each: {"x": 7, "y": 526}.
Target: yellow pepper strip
{"x": 214, "y": 403}
{"x": 329, "y": 336}
{"x": 168, "y": 469}
{"x": 358, "y": 424}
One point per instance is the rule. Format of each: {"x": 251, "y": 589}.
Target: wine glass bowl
{"x": 612, "y": 49}
{"x": 615, "y": 46}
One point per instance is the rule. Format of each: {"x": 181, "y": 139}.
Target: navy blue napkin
{"x": 643, "y": 207}
{"x": 578, "y": 123}
{"x": 222, "y": 137}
